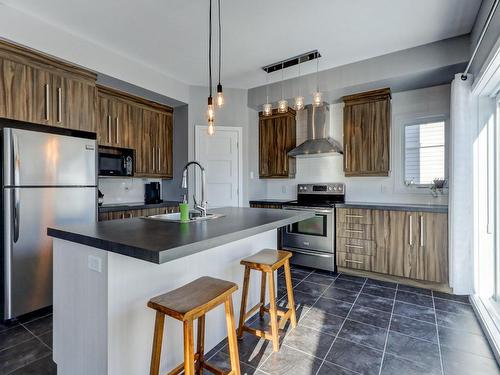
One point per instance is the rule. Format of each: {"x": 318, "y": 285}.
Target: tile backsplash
{"x": 123, "y": 190}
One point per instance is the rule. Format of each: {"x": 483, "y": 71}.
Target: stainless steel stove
{"x": 313, "y": 240}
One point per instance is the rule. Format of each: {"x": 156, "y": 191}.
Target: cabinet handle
{"x": 153, "y": 154}
{"x": 356, "y": 216}
{"x": 353, "y": 231}
{"x": 117, "y": 130}
{"x": 130, "y": 215}
{"x": 47, "y": 101}
{"x": 123, "y": 215}
{"x": 421, "y": 231}
{"x": 353, "y": 261}
{"x": 159, "y": 159}
{"x": 355, "y": 246}
{"x": 59, "y": 105}
{"x": 346, "y": 152}
{"x": 109, "y": 129}
{"x": 411, "y": 231}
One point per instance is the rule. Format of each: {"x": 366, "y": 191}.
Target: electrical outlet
{"x": 94, "y": 263}
{"x": 283, "y": 189}
{"x": 251, "y": 175}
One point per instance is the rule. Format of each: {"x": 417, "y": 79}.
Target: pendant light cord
{"x": 220, "y": 44}
{"x": 282, "y": 76}
{"x": 317, "y": 71}
{"x": 210, "y": 49}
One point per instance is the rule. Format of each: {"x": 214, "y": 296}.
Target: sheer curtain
{"x": 463, "y": 119}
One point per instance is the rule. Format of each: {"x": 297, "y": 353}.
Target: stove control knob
{"x": 330, "y": 188}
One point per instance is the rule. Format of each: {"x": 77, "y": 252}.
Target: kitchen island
{"x": 105, "y": 273}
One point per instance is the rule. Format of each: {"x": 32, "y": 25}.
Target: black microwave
{"x": 116, "y": 162}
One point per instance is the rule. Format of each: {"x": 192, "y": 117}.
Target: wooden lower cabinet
{"x": 118, "y": 215}
{"x": 407, "y": 244}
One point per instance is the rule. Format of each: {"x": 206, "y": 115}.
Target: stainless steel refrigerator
{"x": 48, "y": 179}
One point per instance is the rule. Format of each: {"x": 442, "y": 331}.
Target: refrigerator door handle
{"x": 16, "y": 159}
{"x": 17, "y": 211}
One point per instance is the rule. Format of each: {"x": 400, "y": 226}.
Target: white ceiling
{"x": 171, "y": 35}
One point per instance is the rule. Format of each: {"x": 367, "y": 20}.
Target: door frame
{"x": 201, "y": 130}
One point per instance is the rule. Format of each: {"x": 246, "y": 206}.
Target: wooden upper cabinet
{"x": 40, "y": 89}
{"x": 367, "y": 124}
{"x": 277, "y": 136}
{"x": 165, "y": 145}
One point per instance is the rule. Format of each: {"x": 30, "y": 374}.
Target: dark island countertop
{"x": 395, "y": 206}
{"x": 160, "y": 241}
{"x": 270, "y": 201}
{"x": 135, "y": 206}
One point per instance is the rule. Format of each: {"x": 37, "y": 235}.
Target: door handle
{"x": 354, "y": 246}
{"x": 109, "y": 129}
{"x": 59, "y": 105}
{"x": 313, "y": 253}
{"x": 17, "y": 207}
{"x": 421, "y": 231}
{"x": 159, "y": 159}
{"x": 47, "y": 102}
{"x": 353, "y": 261}
{"x": 117, "y": 130}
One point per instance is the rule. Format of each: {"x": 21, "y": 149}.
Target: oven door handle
{"x": 313, "y": 253}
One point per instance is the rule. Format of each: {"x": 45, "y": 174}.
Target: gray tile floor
{"x": 350, "y": 325}
{"x": 347, "y": 325}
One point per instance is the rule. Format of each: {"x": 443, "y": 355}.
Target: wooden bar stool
{"x": 267, "y": 261}
{"x": 187, "y": 303}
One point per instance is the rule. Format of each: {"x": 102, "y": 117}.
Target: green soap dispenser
{"x": 184, "y": 209}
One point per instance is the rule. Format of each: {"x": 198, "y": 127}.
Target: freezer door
{"x": 28, "y": 250}
{"x": 42, "y": 159}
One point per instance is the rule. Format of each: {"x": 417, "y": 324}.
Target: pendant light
{"x": 210, "y": 109}
{"x": 299, "y": 100}
{"x": 317, "y": 96}
{"x": 267, "y": 109}
{"x": 282, "y": 104}
{"x": 220, "y": 95}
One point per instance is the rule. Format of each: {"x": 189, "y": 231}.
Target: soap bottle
{"x": 184, "y": 209}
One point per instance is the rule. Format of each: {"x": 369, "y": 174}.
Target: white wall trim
{"x": 487, "y": 79}
{"x": 202, "y": 129}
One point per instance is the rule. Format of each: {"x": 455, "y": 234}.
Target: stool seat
{"x": 267, "y": 259}
{"x": 193, "y": 299}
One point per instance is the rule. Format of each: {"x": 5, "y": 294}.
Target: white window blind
{"x": 425, "y": 152}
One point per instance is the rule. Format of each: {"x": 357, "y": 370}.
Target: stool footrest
{"x": 250, "y": 312}
{"x": 258, "y": 332}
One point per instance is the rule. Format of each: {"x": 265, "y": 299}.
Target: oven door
{"x": 316, "y": 233}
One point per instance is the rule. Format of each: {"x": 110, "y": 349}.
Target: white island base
{"x": 101, "y": 322}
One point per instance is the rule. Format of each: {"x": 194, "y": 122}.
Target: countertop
{"x": 135, "y": 206}
{"x": 395, "y": 206}
{"x": 159, "y": 241}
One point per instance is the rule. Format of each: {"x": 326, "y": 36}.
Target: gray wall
{"x": 171, "y": 188}
{"x": 490, "y": 38}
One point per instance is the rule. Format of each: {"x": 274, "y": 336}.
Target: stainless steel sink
{"x": 176, "y": 217}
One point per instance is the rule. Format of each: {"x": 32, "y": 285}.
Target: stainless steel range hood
{"x": 318, "y": 142}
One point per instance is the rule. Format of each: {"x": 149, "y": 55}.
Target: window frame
{"x": 422, "y": 121}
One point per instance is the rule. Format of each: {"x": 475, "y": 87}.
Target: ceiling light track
{"x": 292, "y": 61}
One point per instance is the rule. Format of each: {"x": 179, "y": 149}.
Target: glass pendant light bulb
{"x": 267, "y": 109}
{"x": 210, "y": 110}
{"x": 299, "y": 103}
{"x": 317, "y": 98}
{"x": 282, "y": 106}
{"x": 211, "y": 127}
{"x": 219, "y": 98}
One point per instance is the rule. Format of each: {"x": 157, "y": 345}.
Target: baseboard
{"x": 400, "y": 280}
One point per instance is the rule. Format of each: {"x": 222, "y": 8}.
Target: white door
{"x": 221, "y": 157}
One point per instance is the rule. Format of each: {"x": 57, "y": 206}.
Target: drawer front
{"x": 359, "y": 231}
{"x": 354, "y": 215}
{"x": 356, "y": 246}
{"x": 355, "y": 261}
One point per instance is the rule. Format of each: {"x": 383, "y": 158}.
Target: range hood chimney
{"x": 318, "y": 142}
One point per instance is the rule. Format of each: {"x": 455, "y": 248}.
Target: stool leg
{"x": 157, "y": 343}
{"x": 262, "y": 294}
{"x": 231, "y": 337}
{"x": 289, "y": 292}
{"x": 201, "y": 344}
{"x": 188, "y": 348}
{"x": 244, "y": 297}
{"x": 273, "y": 312}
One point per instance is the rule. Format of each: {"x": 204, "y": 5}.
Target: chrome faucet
{"x": 202, "y": 206}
